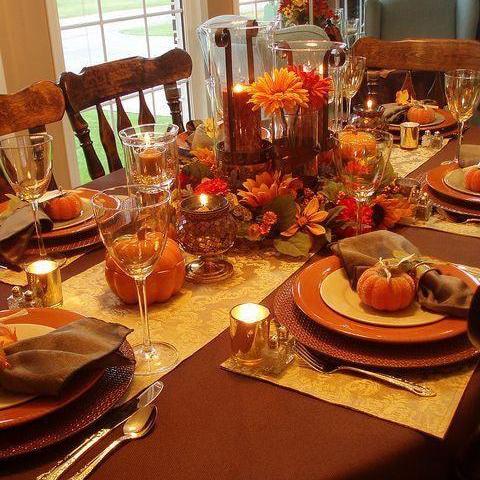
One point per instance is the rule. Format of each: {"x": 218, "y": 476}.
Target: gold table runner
{"x": 191, "y": 319}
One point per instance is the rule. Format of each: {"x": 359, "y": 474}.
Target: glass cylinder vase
{"x": 299, "y": 136}
{"x": 238, "y": 52}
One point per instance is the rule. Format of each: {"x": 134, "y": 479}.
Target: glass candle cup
{"x": 249, "y": 333}
{"x": 45, "y": 281}
{"x": 206, "y": 229}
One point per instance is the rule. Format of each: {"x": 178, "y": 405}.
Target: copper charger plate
{"x": 348, "y": 350}
{"x": 78, "y": 408}
{"x": 435, "y": 180}
{"x": 306, "y": 295}
{"x": 61, "y": 245}
{"x": 445, "y": 203}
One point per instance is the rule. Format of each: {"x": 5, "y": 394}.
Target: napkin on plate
{"x": 395, "y": 113}
{"x": 43, "y": 365}
{"x": 17, "y": 229}
{"x": 436, "y": 292}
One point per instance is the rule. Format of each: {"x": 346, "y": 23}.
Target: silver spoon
{"x": 137, "y": 426}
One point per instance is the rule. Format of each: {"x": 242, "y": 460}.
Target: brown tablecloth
{"x": 215, "y": 425}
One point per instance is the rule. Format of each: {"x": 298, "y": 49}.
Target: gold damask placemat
{"x": 192, "y": 318}
{"x": 431, "y": 415}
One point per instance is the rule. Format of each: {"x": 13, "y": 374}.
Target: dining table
{"x": 215, "y": 424}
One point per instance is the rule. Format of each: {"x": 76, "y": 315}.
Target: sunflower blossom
{"x": 281, "y": 90}
{"x": 310, "y": 218}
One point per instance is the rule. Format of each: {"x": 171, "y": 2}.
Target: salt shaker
{"x": 437, "y": 141}
{"x": 423, "y": 208}
{"x": 15, "y": 299}
{"x": 29, "y": 300}
{"x": 427, "y": 139}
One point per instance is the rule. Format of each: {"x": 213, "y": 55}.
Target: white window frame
{"x": 194, "y": 13}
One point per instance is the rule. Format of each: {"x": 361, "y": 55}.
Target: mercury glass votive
{"x": 369, "y": 117}
{"x": 249, "y": 333}
{"x": 45, "y": 281}
{"x": 206, "y": 229}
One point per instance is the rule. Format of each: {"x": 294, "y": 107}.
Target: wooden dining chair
{"x": 423, "y": 55}
{"x": 112, "y": 80}
{"x": 30, "y": 109}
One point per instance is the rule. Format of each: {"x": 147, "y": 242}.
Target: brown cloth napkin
{"x": 17, "y": 230}
{"x": 395, "y": 113}
{"x": 43, "y": 365}
{"x": 436, "y": 292}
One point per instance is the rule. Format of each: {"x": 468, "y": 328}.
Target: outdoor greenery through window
{"x": 263, "y": 10}
{"x": 97, "y": 31}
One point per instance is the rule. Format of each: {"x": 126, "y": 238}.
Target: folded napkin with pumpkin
{"x": 435, "y": 291}
{"x": 43, "y": 365}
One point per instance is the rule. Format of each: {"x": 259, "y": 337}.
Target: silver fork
{"x": 327, "y": 368}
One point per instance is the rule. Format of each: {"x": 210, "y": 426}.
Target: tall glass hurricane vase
{"x": 133, "y": 225}
{"x": 26, "y": 161}
{"x": 462, "y": 89}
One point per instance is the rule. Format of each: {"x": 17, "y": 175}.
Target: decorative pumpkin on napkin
{"x": 421, "y": 114}
{"x": 65, "y": 207}
{"x": 386, "y": 287}
{"x": 472, "y": 179}
{"x": 165, "y": 281}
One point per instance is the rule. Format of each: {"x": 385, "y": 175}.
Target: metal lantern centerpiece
{"x": 301, "y": 136}
{"x": 238, "y": 52}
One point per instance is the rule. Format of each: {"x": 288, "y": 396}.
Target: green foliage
{"x": 331, "y": 190}
{"x": 285, "y": 208}
{"x": 197, "y": 170}
{"x": 297, "y": 246}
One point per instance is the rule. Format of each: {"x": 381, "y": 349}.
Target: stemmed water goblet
{"x": 133, "y": 225}
{"x": 26, "y": 161}
{"x": 361, "y": 157}
{"x": 462, "y": 89}
{"x": 353, "y": 71}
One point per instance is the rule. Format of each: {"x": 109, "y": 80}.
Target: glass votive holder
{"x": 249, "y": 333}
{"x": 45, "y": 281}
{"x": 409, "y": 135}
{"x": 206, "y": 229}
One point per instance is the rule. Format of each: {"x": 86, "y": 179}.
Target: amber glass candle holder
{"x": 368, "y": 117}
{"x": 206, "y": 229}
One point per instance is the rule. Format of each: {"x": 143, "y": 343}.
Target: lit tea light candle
{"x": 203, "y": 203}
{"x": 369, "y": 104}
{"x": 249, "y": 331}
{"x": 150, "y": 160}
{"x": 45, "y": 281}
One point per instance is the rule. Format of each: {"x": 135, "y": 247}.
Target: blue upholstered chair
{"x": 400, "y": 19}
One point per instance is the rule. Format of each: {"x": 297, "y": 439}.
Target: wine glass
{"x": 26, "y": 161}
{"x": 353, "y": 71}
{"x": 133, "y": 225}
{"x": 361, "y": 158}
{"x": 352, "y": 31}
{"x": 151, "y": 155}
{"x": 462, "y": 89}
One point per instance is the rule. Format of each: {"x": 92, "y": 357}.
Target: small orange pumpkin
{"x": 354, "y": 143}
{"x": 66, "y": 207}
{"x": 421, "y": 114}
{"x": 383, "y": 290}
{"x": 165, "y": 281}
{"x": 472, "y": 179}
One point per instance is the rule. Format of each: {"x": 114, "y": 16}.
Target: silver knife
{"x": 114, "y": 419}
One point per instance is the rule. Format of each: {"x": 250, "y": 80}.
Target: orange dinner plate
{"x": 306, "y": 294}
{"x": 41, "y": 406}
{"x": 436, "y": 181}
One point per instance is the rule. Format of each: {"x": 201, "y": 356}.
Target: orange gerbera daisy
{"x": 311, "y": 219}
{"x": 205, "y": 156}
{"x": 390, "y": 210}
{"x": 282, "y": 89}
{"x": 265, "y": 187}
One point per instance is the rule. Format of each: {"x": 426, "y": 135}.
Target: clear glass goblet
{"x": 353, "y": 71}
{"x": 361, "y": 159}
{"x": 26, "y": 161}
{"x": 133, "y": 225}
{"x": 462, "y": 89}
